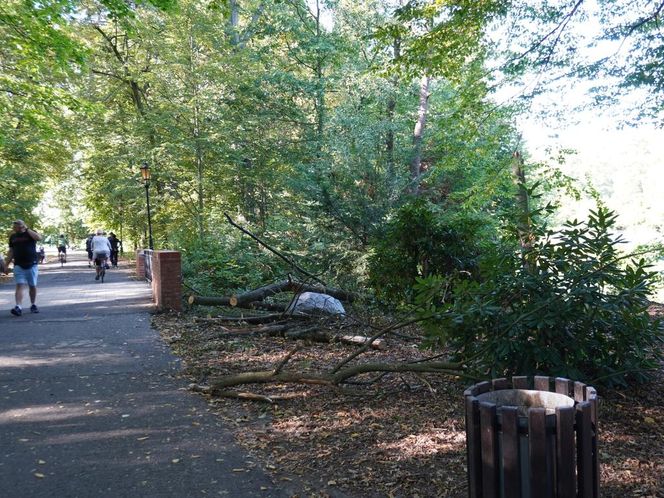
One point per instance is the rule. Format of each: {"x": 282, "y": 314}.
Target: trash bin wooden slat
{"x": 473, "y": 446}
{"x": 584, "y": 449}
{"x": 489, "y": 429}
{"x": 520, "y": 382}
{"x": 539, "y": 484}
{"x": 565, "y": 457}
{"x": 510, "y": 447}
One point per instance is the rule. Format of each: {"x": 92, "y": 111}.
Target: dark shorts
{"x": 100, "y": 256}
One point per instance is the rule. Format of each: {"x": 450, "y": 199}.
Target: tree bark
{"x": 523, "y": 221}
{"x": 418, "y": 134}
{"x": 391, "y": 106}
{"x": 196, "y": 132}
{"x": 234, "y": 22}
{"x": 269, "y": 376}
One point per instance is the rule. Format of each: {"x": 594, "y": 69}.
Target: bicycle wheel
{"x": 103, "y": 274}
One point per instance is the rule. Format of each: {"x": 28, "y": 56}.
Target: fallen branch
{"x": 433, "y": 367}
{"x": 231, "y": 394}
{"x": 238, "y": 319}
{"x": 209, "y": 301}
{"x": 274, "y": 251}
{"x": 286, "y": 359}
{"x": 363, "y": 340}
{"x": 317, "y": 334}
{"x": 227, "y": 301}
{"x": 332, "y": 379}
{"x": 372, "y": 339}
{"x": 285, "y": 330}
{"x": 266, "y": 377}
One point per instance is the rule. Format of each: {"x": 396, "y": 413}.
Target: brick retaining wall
{"x": 166, "y": 278}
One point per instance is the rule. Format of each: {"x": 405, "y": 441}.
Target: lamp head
{"x": 145, "y": 171}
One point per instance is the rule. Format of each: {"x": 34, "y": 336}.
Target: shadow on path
{"x": 90, "y": 405}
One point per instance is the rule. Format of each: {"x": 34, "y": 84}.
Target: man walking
{"x": 23, "y": 251}
{"x": 115, "y": 246}
{"x": 88, "y": 248}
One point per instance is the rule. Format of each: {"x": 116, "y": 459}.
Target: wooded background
{"x": 318, "y": 124}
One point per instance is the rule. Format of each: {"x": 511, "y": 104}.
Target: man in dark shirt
{"x": 88, "y": 248}
{"x": 115, "y": 246}
{"x": 23, "y": 251}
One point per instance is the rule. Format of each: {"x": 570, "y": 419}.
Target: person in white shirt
{"x": 101, "y": 250}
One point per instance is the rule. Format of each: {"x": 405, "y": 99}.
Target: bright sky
{"x": 624, "y": 164}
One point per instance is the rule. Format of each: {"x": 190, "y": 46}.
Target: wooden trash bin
{"x": 532, "y": 438}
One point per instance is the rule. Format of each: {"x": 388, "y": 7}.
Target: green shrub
{"x": 421, "y": 241}
{"x": 571, "y": 305}
{"x": 219, "y": 265}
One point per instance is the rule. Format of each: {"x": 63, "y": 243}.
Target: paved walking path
{"x": 90, "y": 407}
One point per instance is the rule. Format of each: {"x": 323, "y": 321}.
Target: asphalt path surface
{"x": 90, "y": 404}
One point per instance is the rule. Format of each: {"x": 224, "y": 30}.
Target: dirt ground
{"x": 402, "y": 436}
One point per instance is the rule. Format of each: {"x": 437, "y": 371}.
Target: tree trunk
{"x": 196, "y": 131}
{"x": 418, "y": 133}
{"x": 391, "y": 106}
{"x": 320, "y": 86}
{"x": 523, "y": 221}
{"x": 234, "y": 22}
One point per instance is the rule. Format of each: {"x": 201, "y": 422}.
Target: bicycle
{"x": 100, "y": 267}
{"x": 63, "y": 258}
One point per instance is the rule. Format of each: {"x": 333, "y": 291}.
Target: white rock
{"x": 313, "y": 302}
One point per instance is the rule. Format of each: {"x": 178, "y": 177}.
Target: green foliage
{"x": 422, "y": 241}
{"x": 440, "y": 38}
{"x": 572, "y": 305}
{"x": 222, "y": 265}
{"x": 19, "y": 194}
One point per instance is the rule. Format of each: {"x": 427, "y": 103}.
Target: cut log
{"x": 261, "y": 293}
{"x": 209, "y": 301}
{"x": 362, "y": 340}
{"x": 254, "y": 298}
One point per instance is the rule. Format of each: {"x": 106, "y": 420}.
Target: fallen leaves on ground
{"x": 403, "y": 436}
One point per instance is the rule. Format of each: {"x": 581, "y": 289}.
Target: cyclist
{"x": 41, "y": 254}
{"x": 101, "y": 249}
{"x": 62, "y": 247}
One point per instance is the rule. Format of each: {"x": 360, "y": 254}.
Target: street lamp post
{"x": 145, "y": 173}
